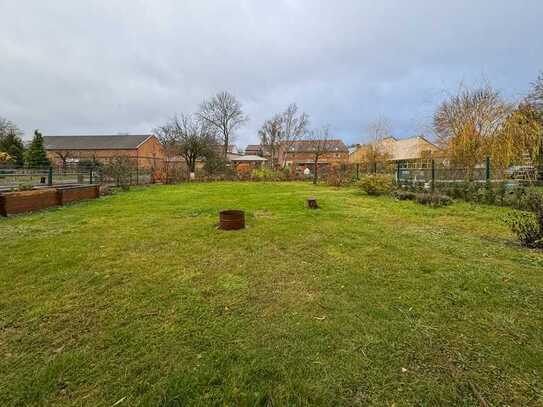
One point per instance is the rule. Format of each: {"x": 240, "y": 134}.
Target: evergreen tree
{"x": 11, "y": 143}
{"x": 36, "y": 155}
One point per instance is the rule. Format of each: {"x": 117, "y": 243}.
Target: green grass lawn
{"x": 138, "y": 298}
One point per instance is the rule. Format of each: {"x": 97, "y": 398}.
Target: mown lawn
{"x": 136, "y": 298}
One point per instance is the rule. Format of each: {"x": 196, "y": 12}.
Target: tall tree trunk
{"x": 226, "y": 141}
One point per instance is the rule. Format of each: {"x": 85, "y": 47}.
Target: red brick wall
{"x": 148, "y": 155}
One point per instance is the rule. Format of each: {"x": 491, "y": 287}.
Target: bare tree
{"x": 119, "y": 169}
{"x": 270, "y": 137}
{"x": 318, "y": 143}
{"x": 7, "y": 126}
{"x": 535, "y": 97}
{"x": 64, "y": 156}
{"x": 468, "y": 124}
{"x": 223, "y": 115}
{"x": 294, "y": 128}
{"x": 187, "y": 137}
{"x": 379, "y": 129}
{"x": 376, "y": 151}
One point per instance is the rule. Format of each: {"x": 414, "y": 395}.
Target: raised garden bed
{"x": 72, "y": 194}
{"x": 29, "y": 201}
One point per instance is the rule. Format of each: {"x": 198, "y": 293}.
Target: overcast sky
{"x": 106, "y": 66}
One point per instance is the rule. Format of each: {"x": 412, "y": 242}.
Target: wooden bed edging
{"x": 73, "y": 194}
{"x": 30, "y": 201}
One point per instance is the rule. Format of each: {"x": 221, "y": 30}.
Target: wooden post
{"x": 357, "y": 171}
{"x": 50, "y": 176}
{"x": 433, "y": 175}
{"x": 487, "y": 168}
{"x": 90, "y": 175}
{"x": 398, "y": 172}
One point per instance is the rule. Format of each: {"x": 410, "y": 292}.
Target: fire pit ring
{"x": 231, "y": 220}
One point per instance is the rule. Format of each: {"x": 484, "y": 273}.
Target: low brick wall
{"x": 29, "y": 201}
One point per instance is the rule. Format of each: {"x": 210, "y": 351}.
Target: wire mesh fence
{"x": 126, "y": 171}
{"x": 431, "y": 171}
{"x": 17, "y": 177}
{"x": 25, "y": 178}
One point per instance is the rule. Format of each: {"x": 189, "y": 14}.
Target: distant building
{"x": 413, "y": 152}
{"x": 145, "y": 149}
{"x": 219, "y": 149}
{"x": 259, "y": 150}
{"x": 246, "y": 163}
{"x": 299, "y": 155}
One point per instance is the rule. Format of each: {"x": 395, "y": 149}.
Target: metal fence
{"x": 23, "y": 177}
{"x": 433, "y": 172}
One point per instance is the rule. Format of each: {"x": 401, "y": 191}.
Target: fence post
{"x": 90, "y": 175}
{"x": 357, "y": 171}
{"x": 487, "y": 168}
{"x": 50, "y": 176}
{"x": 398, "y": 172}
{"x": 433, "y": 175}
{"x": 375, "y": 167}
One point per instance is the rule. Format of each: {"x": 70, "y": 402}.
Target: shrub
{"x": 528, "y": 227}
{"x": 533, "y": 201}
{"x": 5, "y": 157}
{"x": 119, "y": 169}
{"x": 404, "y": 195}
{"x": 25, "y": 187}
{"x": 339, "y": 176}
{"x": 266, "y": 174}
{"x": 518, "y": 195}
{"x": 215, "y": 164}
{"x": 489, "y": 195}
{"x": 434, "y": 200}
{"x": 376, "y": 184}
{"x": 501, "y": 193}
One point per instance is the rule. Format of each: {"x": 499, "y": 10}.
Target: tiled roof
{"x": 308, "y": 145}
{"x": 399, "y": 149}
{"x": 98, "y": 142}
{"x": 246, "y": 158}
{"x": 411, "y": 148}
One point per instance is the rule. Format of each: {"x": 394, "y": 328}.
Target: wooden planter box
{"x": 29, "y": 201}
{"x": 73, "y": 194}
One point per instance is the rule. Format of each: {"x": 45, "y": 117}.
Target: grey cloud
{"x": 115, "y": 66}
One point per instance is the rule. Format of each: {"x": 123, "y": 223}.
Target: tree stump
{"x": 312, "y": 203}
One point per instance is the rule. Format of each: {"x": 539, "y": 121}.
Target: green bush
{"x": 434, "y": 200}
{"x": 266, "y": 174}
{"x": 376, "y": 184}
{"x": 25, "y": 187}
{"x": 404, "y": 195}
{"x": 501, "y": 194}
{"x": 528, "y": 227}
{"x": 533, "y": 201}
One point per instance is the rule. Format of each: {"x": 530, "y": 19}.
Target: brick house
{"x": 259, "y": 150}
{"x": 300, "y": 154}
{"x": 145, "y": 149}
